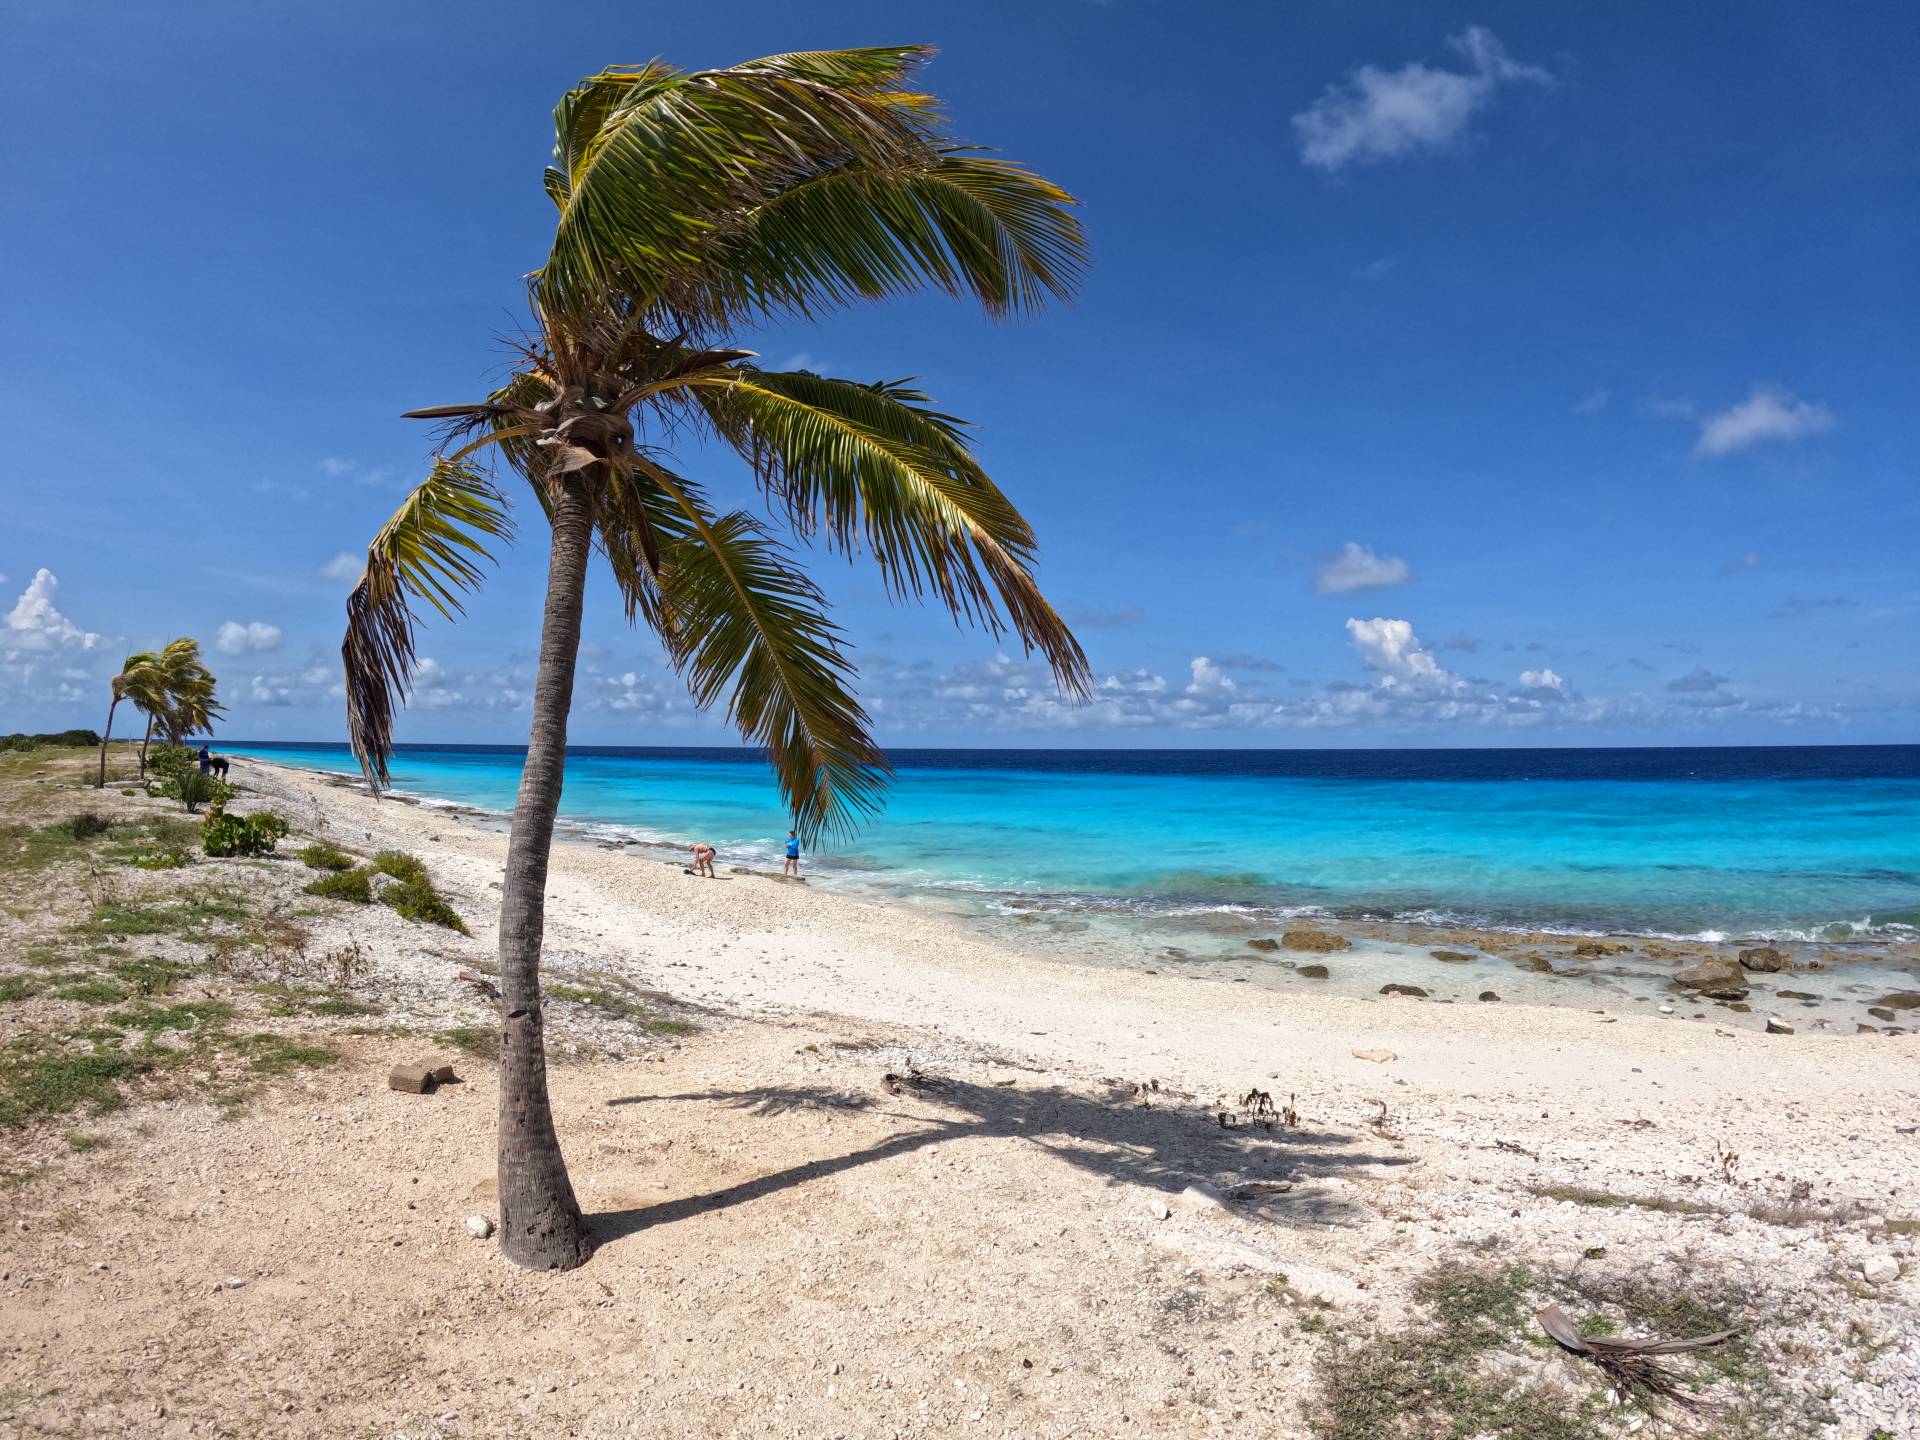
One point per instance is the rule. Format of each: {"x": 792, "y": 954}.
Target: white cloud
{"x": 1593, "y": 402}
{"x": 1768, "y": 413}
{"x": 35, "y": 624}
{"x": 1391, "y": 650}
{"x": 1384, "y": 114}
{"x": 1542, "y": 679}
{"x": 233, "y": 638}
{"x": 344, "y": 567}
{"x": 1356, "y": 567}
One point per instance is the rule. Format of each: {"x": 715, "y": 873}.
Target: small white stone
{"x": 1159, "y": 1208}
{"x": 479, "y": 1226}
{"x": 1880, "y": 1269}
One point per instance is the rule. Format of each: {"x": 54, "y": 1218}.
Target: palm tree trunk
{"x": 145, "y": 741}
{"x": 541, "y": 1226}
{"x": 106, "y": 735}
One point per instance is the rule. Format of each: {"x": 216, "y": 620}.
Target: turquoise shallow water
{"x": 1806, "y": 842}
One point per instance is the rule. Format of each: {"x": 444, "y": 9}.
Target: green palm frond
{"x": 963, "y": 223}
{"x": 653, "y": 164}
{"x": 878, "y": 464}
{"x": 747, "y": 625}
{"x": 429, "y": 550}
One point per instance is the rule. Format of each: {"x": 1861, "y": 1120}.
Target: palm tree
{"x": 190, "y": 705}
{"x": 693, "y": 205}
{"x": 142, "y": 681}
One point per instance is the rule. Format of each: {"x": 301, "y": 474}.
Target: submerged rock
{"x": 1764, "y": 959}
{"x": 1263, "y": 943}
{"x": 1451, "y": 957}
{"x": 1317, "y": 940}
{"x": 1312, "y": 972}
{"x": 1489, "y": 996}
{"x": 1414, "y": 991}
{"x": 1880, "y": 1012}
{"x": 1901, "y": 1000}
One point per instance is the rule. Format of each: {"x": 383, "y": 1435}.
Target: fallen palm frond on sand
{"x": 1629, "y": 1363}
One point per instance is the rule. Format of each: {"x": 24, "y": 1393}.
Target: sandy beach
{"x": 902, "y": 1178}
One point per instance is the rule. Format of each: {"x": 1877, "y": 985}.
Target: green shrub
{"x": 417, "y": 900}
{"x": 321, "y": 855}
{"x": 343, "y": 885}
{"x": 224, "y": 834}
{"x": 162, "y": 857}
{"x": 88, "y": 825}
{"x": 83, "y": 738}
{"x": 402, "y": 866}
{"x": 168, "y": 760}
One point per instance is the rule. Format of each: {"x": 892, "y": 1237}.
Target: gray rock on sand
{"x": 1765, "y": 959}
{"x": 1312, "y": 972}
{"x": 1719, "y": 976}
{"x": 1880, "y": 1269}
{"x": 1319, "y": 941}
{"x": 1777, "y": 1026}
{"x": 1489, "y": 996}
{"x": 1412, "y": 992}
{"x": 479, "y": 1227}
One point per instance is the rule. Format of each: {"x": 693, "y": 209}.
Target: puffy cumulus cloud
{"x": 344, "y": 567}
{"x": 1697, "y": 681}
{"x": 1542, "y": 679}
{"x": 1391, "y": 650}
{"x": 35, "y": 625}
{"x": 234, "y": 638}
{"x": 1380, "y": 114}
{"x": 1356, "y": 567}
{"x": 1767, "y": 414}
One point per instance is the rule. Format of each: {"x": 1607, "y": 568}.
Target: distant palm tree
{"x": 142, "y": 681}
{"x": 191, "y": 704}
{"x": 693, "y": 205}
{"x": 172, "y": 688}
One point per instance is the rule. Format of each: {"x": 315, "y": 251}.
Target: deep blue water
{"x": 1811, "y": 842}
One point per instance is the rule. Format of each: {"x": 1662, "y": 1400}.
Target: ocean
{"x": 1812, "y": 843}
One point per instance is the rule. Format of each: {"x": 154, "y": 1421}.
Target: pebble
{"x": 1159, "y": 1208}
{"x": 1880, "y": 1269}
{"x": 1777, "y": 1026}
{"x": 479, "y": 1226}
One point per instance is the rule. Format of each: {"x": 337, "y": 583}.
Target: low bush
{"x": 321, "y": 855}
{"x": 88, "y": 825}
{"x": 161, "y": 857}
{"x": 224, "y": 834}
{"x": 418, "y": 900}
{"x": 350, "y": 885}
{"x": 401, "y": 866}
{"x": 18, "y": 741}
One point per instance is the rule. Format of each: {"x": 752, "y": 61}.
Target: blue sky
{"x": 1493, "y": 374}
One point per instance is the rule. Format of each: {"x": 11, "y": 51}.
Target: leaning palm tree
{"x": 693, "y": 206}
{"x": 189, "y": 703}
{"x": 141, "y": 680}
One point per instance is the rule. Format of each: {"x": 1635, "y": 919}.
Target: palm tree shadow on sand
{"x": 1158, "y": 1147}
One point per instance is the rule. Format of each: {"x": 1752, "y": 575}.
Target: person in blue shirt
{"x": 792, "y": 866}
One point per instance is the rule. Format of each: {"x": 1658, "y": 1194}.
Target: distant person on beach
{"x": 206, "y": 760}
{"x": 703, "y": 854}
{"x": 221, "y": 765}
{"x": 792, "y": 866}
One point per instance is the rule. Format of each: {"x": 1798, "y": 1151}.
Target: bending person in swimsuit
{"x": 703, "y": 854}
